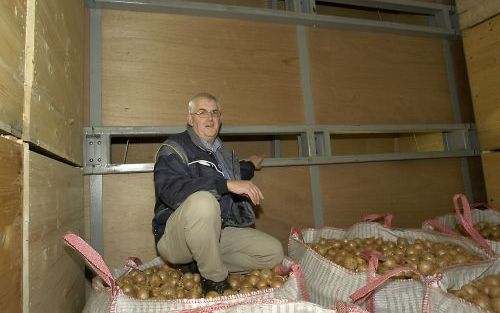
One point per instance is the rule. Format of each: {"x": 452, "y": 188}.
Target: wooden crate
{"x": 54, "y": 77}
{"x": 491, "y": 166}
{"x": 12, "y": 25}
{"x": 11, "y": 177}
{"x": 482, "y": 50}
{"x": 53, "y": 275}
{"x": 473, "y": 12}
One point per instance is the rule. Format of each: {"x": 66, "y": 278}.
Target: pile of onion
{"x": 166, "y": 283}
{"x": 426, "y": 256}
{"x": 489, "y": 231}
{"x": 484, "y": 292}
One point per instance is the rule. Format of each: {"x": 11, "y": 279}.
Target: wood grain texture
{"x": 153, "y": 63}
{"x": 53, "y": 205}
{"x": 482, "y": 50}
{"x": 491, "y": 168}
{"x": 54, "y": 77}
{"x": 128, "y": 206}
{"x": 411, "y": 190}
{"x": 369, "y": 78}
{"x": 11, "y": 178}
{"x": 473, "y": 12}
{"x": 12, "y": 30}
{"x": 287, "y": 200}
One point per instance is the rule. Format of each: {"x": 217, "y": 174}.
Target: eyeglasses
{"x": 206, "y": 114}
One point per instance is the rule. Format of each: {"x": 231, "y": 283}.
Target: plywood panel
{"x": 54, "y": 77}
{"x": 153, "y": 63}
{"x": 491, "y": 166}
{"x": 411, "y": 190}
{"x": 128, "y": 206}
{"x": 287, "y": 200}
{"x": 367, "y": 78}
{"x": 482, "y": 50}
{"x": 11, "y": 177}
{"x": 53, "y": 205}
{"x": 473, "y": 12}
{"x": 12, "y": 19}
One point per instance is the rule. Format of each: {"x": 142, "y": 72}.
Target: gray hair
{"x": 202, "y": 95}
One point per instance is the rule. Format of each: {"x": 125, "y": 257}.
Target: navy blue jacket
{"x": 184, "y": 166}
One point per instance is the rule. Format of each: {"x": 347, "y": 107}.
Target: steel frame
{"x": 303, "y": 13}
{"x": 314, "y": 140}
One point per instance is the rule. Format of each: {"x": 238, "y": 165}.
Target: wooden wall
{"x": 482, "y": 49}
{"x": 12, "y": 27}
{"x": 53, "y": 205}
{"x": 54, "y": 77}
{"x": 152, "y": 63}
{"x": 11, "y": 230}
{"x": 480, "y": 21}
{"x": 473, "y": 12}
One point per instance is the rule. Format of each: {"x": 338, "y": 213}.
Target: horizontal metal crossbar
{"x": 288, "y": 17}
{"x": 314, "y": 143}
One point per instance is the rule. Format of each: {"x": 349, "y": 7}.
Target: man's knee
{"x": 203, "y": 205}
{"x": 275, "y": 250}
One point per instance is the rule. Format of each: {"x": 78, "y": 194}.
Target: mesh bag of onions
{"x": 483, "y": 225}
{"x": 473, "y": 289}
{"x": 278, "y": 306}
{"x": 337, "y": 262}
{"x": 155, "y": 287}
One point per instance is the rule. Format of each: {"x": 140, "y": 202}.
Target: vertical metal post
{"x": 444, "y": 19}
{"x": 96, "y": 219}
{"x": 314, "y": 171}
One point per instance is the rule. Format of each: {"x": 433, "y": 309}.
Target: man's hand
{"x": 257, "y": 161}
{"x": 246, "y": 188}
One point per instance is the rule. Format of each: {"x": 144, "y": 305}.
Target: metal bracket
{"x": 96, "y": 150}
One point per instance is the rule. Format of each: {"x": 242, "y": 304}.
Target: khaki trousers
{"x": 193, "y": 232}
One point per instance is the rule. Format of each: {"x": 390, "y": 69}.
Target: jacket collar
{"x": 199, "y": 142}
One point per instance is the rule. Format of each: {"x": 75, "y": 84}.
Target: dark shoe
{"x": 189, "y": 268}
{"x": 210, "y": 285}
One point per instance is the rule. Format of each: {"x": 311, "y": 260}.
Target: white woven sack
{"x": 106, "y": 296}
{"x": 442, "y": 302}
{"x": 447, "y": 223}
{"x": 328, "y": 282}
{"x": 277, "y": 306}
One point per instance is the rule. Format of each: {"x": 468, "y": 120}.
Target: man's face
{"x": 206, "y": 128}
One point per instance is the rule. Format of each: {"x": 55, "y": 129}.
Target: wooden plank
{"x": 53, "y": 205}
{"x": 150, "y": 69}
{"x": 473, "y": 12}
{"x": 12, "y": 19}
{"x": 54, "y": 77}
{"x": 482, "y": 50}
{"x": 287, "y": 200}
{"x": 491, "y": 168}
{"x": 411, "y": 190}
{"x": 131, "y": 197}
{"x": 367, "y": 78}
{"x": 11, "y": 177}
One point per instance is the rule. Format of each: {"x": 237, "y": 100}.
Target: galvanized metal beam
{"x": 299, "y": 161}
{"x": 268, "y": 15}
{"x": 146, "y": 131}
{"x": 96, "y": 220}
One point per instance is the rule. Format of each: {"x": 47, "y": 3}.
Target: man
{"x": 203, "y": 211}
